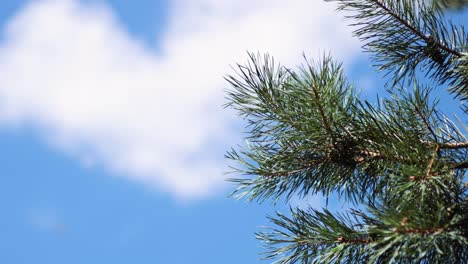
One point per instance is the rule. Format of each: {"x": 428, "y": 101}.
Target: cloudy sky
{"x": 112, "y": 131}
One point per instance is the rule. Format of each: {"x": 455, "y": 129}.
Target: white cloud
{"x": 71, "y": 70}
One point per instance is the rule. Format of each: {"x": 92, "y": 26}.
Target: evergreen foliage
{"x": 453, "y": 4}
{"x": 401, "y": 162}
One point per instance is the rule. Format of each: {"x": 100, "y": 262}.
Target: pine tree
{"x": 400, "y": 162}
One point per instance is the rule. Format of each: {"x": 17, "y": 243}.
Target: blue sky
{"x": 111, "y": 128}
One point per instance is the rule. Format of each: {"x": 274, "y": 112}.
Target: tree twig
{"x": 326, "y": 123}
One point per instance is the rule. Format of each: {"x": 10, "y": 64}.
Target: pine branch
{"x": 313, "y": 237}
{"x": 407, "y": 35}
{"x": 429, "y": 39}
{"x": 401, "y": 159}
{"x": 450, "y": 4}
{"x": 357, "y": 237}
{"x": 290, "y": 150}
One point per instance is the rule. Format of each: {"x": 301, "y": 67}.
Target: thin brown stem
{"x": 426, "y": 122}
{"x": 355, "y": 241}
{"x": 422, "y": 231}
{"x": 461, "y": 165}
{"x": 455, "y": 145}
{"x": 431, "y": 163}
{"x": 326, "y": 123}
{"x": 364, "y": 156}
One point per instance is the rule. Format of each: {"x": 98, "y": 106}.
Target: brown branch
{"x": 456, "y": 145}
{"x": 422, "y": 231}
{"x": 370, "y": 154}
{"x": 461, "y": 165}
{"x": 365, "y": 155}
{"x": 448, "y": 145}
{"x": 431, "y": 163}
{"x": 453, "y": 145}
{"x": 359, "y": 159}
{"x": 355, "y": 241}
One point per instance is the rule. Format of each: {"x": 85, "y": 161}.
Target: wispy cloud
{"x": 72, "y": 71}
{"x": 46, "y": 221}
